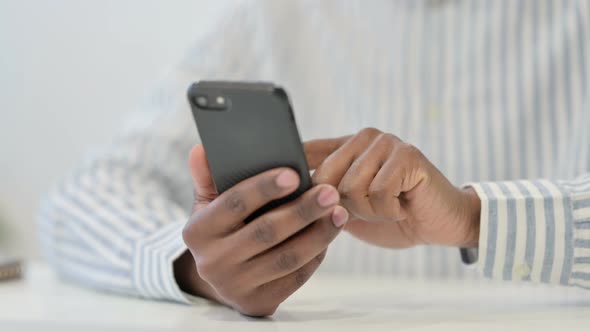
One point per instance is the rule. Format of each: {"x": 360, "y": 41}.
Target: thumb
{"x": 205, "y": 190}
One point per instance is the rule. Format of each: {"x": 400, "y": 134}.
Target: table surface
{"x": 41, "y": 302}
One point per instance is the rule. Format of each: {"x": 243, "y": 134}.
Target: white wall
{"x": 68, "y": 70}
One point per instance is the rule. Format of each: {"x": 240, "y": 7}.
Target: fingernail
{"x": 339, "y": 216}
{"x": 287, "y": 179}
{"x": 327, "y": 197}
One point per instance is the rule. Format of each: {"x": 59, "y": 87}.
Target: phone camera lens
{"x": 209, "y": 102}
{"x": 201, "y": 101}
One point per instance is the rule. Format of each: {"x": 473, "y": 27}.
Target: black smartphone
{"x": 247, "y": 128}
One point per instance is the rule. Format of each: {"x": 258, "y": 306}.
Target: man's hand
{"x": 254, "y": 267}
{"x": 397, "y": 198}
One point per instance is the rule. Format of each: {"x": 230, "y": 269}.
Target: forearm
{"x": 114, "y": 225}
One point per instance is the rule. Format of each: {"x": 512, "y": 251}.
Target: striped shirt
{"x": 495, "y": 93}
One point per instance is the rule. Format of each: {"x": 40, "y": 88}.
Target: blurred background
{"x": 69, "y": 70}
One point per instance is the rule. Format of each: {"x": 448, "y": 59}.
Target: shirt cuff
{"x": 153, "y": 265}
{"x": 579, "y": 191}
{"x": 535, "y": 230}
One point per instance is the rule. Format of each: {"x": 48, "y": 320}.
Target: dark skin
{"x": 394, "y": 196}
{"x": 256, "y": 266}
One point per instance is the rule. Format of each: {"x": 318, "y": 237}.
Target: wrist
{"x": 472, "y": 218}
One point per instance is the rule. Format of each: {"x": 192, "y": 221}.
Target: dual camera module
{"x": 213, "y": 103}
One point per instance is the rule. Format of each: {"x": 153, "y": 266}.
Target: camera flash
{"x": 201, "y": 101}
{"x": 220, "y": 100}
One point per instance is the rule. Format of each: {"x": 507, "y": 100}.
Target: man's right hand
{"x": 254, "y": 267}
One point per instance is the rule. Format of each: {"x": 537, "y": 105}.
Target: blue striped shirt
{"x": 495, "y": 93}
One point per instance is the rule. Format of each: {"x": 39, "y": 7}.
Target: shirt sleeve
{"x": 115, "y": 223}
{"x": 536, "y": 230}
{"x": 112, "y": 225}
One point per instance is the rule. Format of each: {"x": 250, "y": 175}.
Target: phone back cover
{"x": 256, "y": 133}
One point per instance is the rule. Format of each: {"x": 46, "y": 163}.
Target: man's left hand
{"x": 396, "y": 197}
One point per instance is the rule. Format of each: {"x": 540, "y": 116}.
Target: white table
{"x": 41, "y": 303}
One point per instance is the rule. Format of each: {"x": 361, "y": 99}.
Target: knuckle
{"x": 264, "y": 232}
{"x": 267, "y": 188}
{"x": 377, "y": 192}
{"x": 387, "y": 136}
{"x": 286, "y": 260}
{"x": 235, "y": 203}
{"x": 356, "y": 169}
{"x": 322, "y": 174}
{"x": 387, "y": 139}
{"x": 320, "y": 257}
{"x": 277, "y": 290}
{"x": 347, "y": 192}
{"x": 301, "y": 277}
{"x": 303, "y": 210}
{"x": 410, "y": 150}
{"x": 369, "y": 131}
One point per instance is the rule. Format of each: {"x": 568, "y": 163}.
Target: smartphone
{"x": 247, "y": 128}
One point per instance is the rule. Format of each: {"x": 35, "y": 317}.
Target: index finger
{"x": 317, "y": 150}
{"x": 204, "y": 186}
